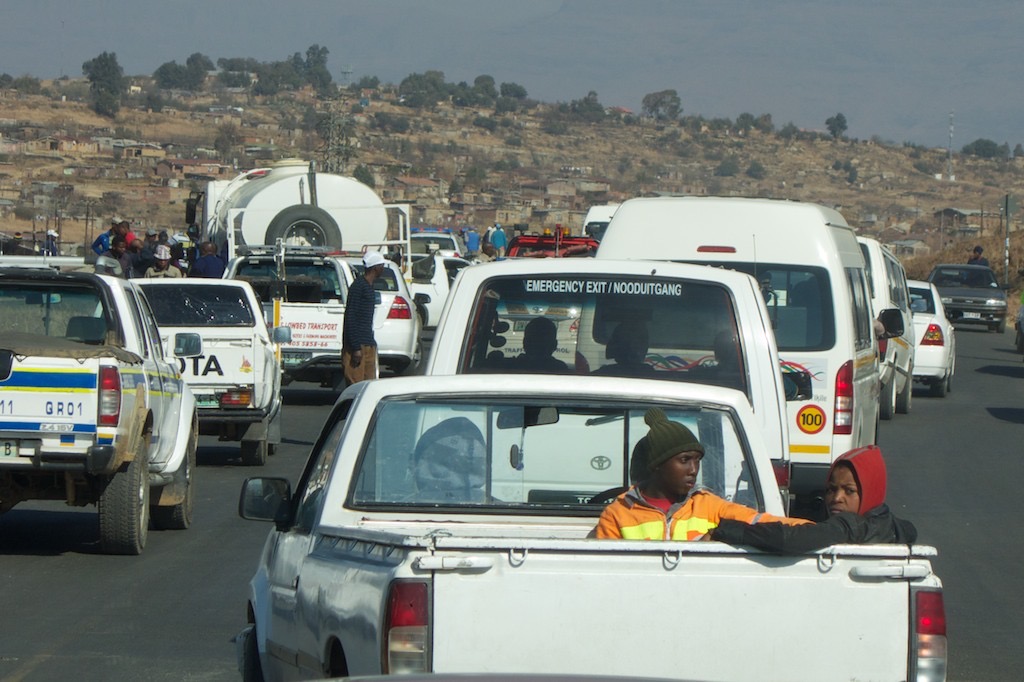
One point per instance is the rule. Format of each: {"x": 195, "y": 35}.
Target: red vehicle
{"x": 550, "y": 245}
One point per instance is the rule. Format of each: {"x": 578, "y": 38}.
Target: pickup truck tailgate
{"x": 709, "y": 614}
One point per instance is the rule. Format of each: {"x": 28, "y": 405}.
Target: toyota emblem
{"x": 601, "y": 462}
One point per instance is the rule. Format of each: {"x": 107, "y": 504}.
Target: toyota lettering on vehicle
{"x": 592, "y": 286}
{"x": 211, "y": 365}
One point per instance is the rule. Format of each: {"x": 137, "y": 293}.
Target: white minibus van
{"x": 887, "y": 282}
{"x": 813, "y": 280}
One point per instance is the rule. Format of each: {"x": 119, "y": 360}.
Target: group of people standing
{"x": 155, "y": 256}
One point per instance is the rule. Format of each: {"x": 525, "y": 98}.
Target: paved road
{"x": 67, "y": 612}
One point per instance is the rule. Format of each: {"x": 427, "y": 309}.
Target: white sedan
{"x": 935, "y": 351}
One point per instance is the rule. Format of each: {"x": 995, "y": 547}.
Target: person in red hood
{"x": 855, "y": 497}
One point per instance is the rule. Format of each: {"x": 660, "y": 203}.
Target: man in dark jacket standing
{"x": 359, "y": 348}
{"x": 855, "y": 497}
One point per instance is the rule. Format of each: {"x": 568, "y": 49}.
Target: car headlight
{"x": 946, "y": 299}
{"x": 996, "y": 302}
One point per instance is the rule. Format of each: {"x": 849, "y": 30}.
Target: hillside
{"x": 536, "y": 166}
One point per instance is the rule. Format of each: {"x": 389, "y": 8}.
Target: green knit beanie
{"x": 667, "y": 438}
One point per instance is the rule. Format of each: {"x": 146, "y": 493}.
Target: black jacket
{"x": 876, "y": 526}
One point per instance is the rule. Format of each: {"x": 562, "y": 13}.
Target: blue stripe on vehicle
{"x": 49, "y": 379}
{"x": 38, "y": 426}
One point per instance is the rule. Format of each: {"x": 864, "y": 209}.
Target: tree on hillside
{"x": 196, "y": 68}
{"x": 513, "y": 90}
{"x": 365, "y": 83}
{"x": 588, "y": 109}
{"x": 106, "y": 83}
{"x": 836, "y": 125}
{"x": 486, "y": 87}
{"x": 983, "y": 148}
{"x": 662, "y": 106}
{"x": 315, "y": 69}
{"x": 170, "y": 76}
{"x": 227, "y": 139}
{"x": 423, "y": 90}
{"x": 364, "y": 175}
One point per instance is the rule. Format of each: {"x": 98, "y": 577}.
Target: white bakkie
{"x": 237, "y": 379}
{"x": 442, "y": 524}
{"x": 92, "y": 411}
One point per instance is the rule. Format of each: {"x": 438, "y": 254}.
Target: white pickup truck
{"x": 312, "y": 287}
{"x": 443, "y": 524}
{"x": 91, "y": 410}
{"x": 237, "y": 379}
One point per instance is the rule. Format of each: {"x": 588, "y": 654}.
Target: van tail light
{"x": 406, "y": 628}
{"x": 842, "y": 418}
{"x": 109, "y": 408}
{"x": 883, "y": 345}
{"x": 928, "y": 652}
{"x": 933, "y": 336}
{"x": 400, "y": 309}
{"x": 781, "y": 469}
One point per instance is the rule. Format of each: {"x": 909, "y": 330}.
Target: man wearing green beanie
{"x": 667, "y": 503}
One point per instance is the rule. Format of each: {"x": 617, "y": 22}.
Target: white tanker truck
{"x": 293, "y": 202}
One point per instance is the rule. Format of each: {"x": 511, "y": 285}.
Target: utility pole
{"x": 949, "y": 152}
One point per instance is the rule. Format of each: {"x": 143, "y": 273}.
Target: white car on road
{"x": 935, "y": 348}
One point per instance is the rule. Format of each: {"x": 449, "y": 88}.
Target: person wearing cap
{"x": 50, "y": 244}
{"x": 499, "y": 240}
{"x": 162, "y": 265}
{"x": 976, "y": 258}
{"x": 208, "y": 264}
{"x": 146, "y": 257}
{"x": 358, "y": 345}
{"x": 855, "y": 499}
{"x": 666, "y": 503}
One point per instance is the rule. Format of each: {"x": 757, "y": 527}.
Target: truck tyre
{"x": 887, "y": 401}
{"x": 307, "y": 224}
{"x": 1001, "y": 327}
{"x": 179, "y": 516}
{"x": 252, "y": 671}
{"x": 124, "y": 506}
{"x": 254, "y": 452}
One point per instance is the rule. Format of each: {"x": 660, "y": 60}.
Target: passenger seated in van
{"x": 627, "y": 346}
{"x": 540, "y": 339}
{"x": 667, "y": 504}
{"x": 855, "y": 498}
{"x": 450, "y": 463}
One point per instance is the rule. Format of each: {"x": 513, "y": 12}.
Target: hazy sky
{"x": 895, "y": 69}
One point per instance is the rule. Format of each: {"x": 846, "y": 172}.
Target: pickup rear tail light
{"x": 781, "y": 469}
{"x": 109, "y": 408}
{"x": 400, "y": 309}
{"x": 407, "y": 628}
{"x": 933, "y": 336}
{"x": 928, "y": 652}
{"x": 842, "y": 417}
{"x": 236, "y": 397}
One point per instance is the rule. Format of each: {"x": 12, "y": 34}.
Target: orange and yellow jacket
{"x": 630, "y": 517}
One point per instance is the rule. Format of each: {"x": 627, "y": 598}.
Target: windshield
{"x": 66, "y": 311}
{"x": 425, "y": 243}
{"x": 305, "y": 281}
{"x": 921, "y": 300}
{"x": 972, "y": 278}
{"x": 528, "y": 454}
{"x": 193, "y": 305}
{"x": 617, "y": 326}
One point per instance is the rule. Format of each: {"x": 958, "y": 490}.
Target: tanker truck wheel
{"x": 305, "y": 225}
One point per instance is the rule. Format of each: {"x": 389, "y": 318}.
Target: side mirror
{"x": 421, "y": 298}
{"x": 188, "y": 345}
{"x": 263, "y": 499}
{"x": 892, "y": 320}
{"x": 797, "y": 386}
{"x": 281, "y": 335}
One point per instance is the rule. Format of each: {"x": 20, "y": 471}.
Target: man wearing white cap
{"x": 50, "y": 245}
{"x": 358, "y": 346}
{"x": 161, "y": 266}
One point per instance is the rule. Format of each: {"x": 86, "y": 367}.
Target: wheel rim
{"x": 305, "y": 233}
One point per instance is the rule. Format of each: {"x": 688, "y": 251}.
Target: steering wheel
{"x": 606, "y": 496}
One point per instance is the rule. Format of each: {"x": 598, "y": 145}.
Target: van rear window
{"x": 646, "y": 327}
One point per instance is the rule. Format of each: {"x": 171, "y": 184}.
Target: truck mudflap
{"x": 726, "y": 594}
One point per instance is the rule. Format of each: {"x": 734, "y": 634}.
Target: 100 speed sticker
{"x": 810, "y": 419}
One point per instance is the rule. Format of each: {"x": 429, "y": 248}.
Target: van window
{"x": 861, "y": 308}
{"x": 597, "y": 324}
{"x": 799, "y": 300}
